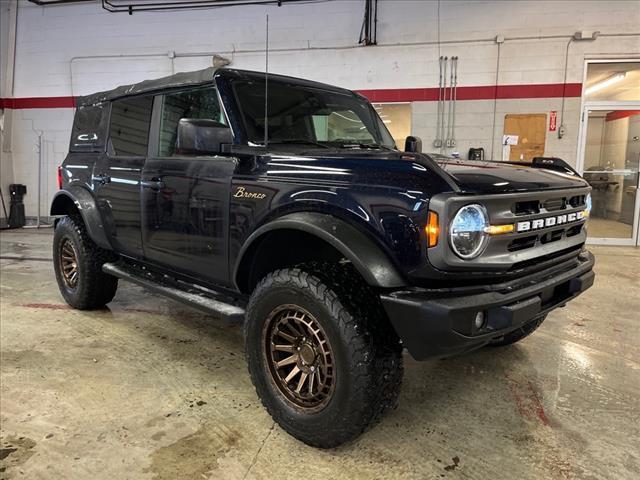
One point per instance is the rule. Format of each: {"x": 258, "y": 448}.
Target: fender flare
{"x": 85, "y": 202}
{"x": 360, "y": 249}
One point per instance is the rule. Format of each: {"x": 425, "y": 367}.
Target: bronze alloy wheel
{"x": 69, "y": 263}
{"x": 299, "y": 357}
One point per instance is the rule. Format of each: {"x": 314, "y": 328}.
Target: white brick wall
{"x": 57, "y": 48}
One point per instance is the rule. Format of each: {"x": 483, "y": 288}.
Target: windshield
{"x": 309, "y": 116}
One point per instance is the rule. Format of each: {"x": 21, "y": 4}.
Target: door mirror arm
{"x": 413, "y": 144}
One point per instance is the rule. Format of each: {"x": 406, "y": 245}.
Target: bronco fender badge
{"x": 550, "y": 221}
{"x": 241, "y": 192}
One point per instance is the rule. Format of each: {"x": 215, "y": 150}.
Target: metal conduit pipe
{"x": 444, "y": 100}
{"x": 329, "y": 48}
{"x": 499, "y": 41}
{"x": 454, "y": 94}
{"x": 437, "y": 143}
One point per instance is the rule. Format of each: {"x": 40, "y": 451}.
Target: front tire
{"x": 321, "y": 353}
{"x": 77, "y": 262}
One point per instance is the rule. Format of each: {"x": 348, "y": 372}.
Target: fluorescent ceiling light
{"x": 605, "y": 83}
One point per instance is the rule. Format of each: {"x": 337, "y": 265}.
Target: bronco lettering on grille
{"x": 539, "y": 223}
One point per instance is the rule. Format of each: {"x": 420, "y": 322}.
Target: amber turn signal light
{"x": 432, "y": 229}
{"x": 499, "y": 229}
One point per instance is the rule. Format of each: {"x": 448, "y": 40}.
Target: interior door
{"x": 186, "y": 197}
{"x": 116, "y": 175}
{"x": 531, "y": 132}
{"x": 611, "y": 165}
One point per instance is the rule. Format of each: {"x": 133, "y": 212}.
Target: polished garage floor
{"x": 151, "y": 389}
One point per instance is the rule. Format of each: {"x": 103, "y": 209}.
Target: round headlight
{"x": 467, "y": 232}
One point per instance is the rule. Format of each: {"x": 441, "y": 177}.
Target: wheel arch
{"x": 76, "y": 199}
{"x": 304, "y": 236}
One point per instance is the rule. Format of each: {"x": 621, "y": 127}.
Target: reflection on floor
{"x": 606, "y": 228}
{"x": 148, "y": 388}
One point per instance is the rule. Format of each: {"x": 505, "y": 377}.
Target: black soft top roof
{"x": 198, "y": 77}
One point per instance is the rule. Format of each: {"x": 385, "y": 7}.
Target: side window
{"x": 194, "y": 104}
{"x": 89, "y": 128}
{"x": 129, "y": 126}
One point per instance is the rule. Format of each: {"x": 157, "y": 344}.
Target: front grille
{"x": 554, "y": 204}
{"x": 578, "y": 201}
{"x": 529, "y": 207}
{"x": 546, "y": 223}
{"x": 522, "y": 243}
{"x": 533, "y": 207}
{"x": 570, "y": 252}
{"x": 543, "y": 239}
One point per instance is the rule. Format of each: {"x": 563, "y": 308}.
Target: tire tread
{"x": 374, "y": 350}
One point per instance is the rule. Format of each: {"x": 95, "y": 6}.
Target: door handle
{"x": 101, "y": 178}
{"x": 154, "y": 184}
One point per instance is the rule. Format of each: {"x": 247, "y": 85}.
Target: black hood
{"x": 467, "y": 176}
{"x": 498, "y": 177}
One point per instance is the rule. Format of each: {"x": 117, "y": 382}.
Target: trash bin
{"x": 17, "y": 191}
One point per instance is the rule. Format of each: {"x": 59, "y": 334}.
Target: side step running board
{"x": 230, "y": 310}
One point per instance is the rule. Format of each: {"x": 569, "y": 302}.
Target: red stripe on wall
{"x": 619, "y": 114}
{"x": 501, "y": 92}
{"x": 487, "y": 92}
{"x": 38, "y": 102}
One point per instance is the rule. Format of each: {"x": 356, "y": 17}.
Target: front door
{"x": 185, "y": 197}
{"x": 116, "y": 175}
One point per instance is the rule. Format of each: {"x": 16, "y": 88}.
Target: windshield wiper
{"x": 377, "y": 146}
{"x": 300, "y": 141}
{"x": 344, "y": 143}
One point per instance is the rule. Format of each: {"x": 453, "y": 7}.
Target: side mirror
{"x": 201, "y": 136}
{"x": 413, "y": 144}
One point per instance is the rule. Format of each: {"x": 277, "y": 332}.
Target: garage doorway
{"x": 397, "y": 118}
{"x": 609, "y": 156}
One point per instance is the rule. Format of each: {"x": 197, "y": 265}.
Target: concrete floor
{"x": 151, "y": 389}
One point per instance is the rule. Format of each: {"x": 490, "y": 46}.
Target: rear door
{"x": 116, "y": 174}
{"x": 186, "y": 197}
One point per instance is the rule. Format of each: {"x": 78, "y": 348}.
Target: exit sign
{"x": 553, "y": 120}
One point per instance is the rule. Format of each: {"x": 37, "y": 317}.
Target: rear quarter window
{"x": 129, "y": 126}
{"x": 89, "y": 131}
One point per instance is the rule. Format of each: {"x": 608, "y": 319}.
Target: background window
{"x": 613, "y": 81}
{"x": 397, "y": 118}
{"x": 129, "y": 127}
{"x": 196, "y": 104}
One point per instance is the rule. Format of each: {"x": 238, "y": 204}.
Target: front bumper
{"x": 440, "y": 323}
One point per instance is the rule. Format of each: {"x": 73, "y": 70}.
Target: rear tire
{"x": 77, "y": 262}
{"x": 341, "y": 329}
{"x": 517, "y": 335}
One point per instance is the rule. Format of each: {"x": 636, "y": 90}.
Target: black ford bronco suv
{"x": 300, "y": 219}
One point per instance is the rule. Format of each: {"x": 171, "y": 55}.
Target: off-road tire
{"x": 518, "y": 334}
{"x": 367, "y": 351}
{"x": 94, "y": 288}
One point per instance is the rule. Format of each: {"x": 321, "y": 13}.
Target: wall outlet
{"x": 561, "y": 131}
